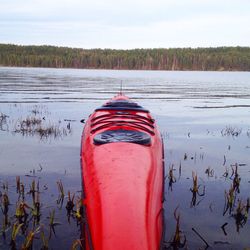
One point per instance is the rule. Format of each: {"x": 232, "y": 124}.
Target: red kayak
{"x": 122, "y": 176}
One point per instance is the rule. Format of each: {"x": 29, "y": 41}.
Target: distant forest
{"x": 217, "y": 59}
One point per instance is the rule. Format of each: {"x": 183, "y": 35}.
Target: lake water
{"x": 204, "y": 118}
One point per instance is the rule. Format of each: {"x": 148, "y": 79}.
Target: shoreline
{"x": 140, "y": 70}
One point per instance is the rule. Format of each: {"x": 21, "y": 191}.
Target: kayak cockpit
{"x": 122, "y": 135}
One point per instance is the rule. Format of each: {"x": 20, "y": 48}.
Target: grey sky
{"x": 126, "y": 24}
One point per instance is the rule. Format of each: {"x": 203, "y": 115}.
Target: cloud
{"x": 109, "y": 11}
{"x": 125, "y": 24}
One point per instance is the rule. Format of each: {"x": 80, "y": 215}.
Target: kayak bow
{"x": 122, "y": 176}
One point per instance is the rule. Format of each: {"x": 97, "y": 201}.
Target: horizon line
{"x": 136, "y": 48}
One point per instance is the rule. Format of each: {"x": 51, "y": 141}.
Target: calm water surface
{"x": 204, "y": 118}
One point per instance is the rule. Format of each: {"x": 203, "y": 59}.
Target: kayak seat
{"x": 122, "y": 105}
{"x": 122, "y": 135}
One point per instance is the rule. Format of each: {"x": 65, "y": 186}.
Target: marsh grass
{"x": 33, "y": 126}
{"x": 45, "y": 240}
{"x": 39, "y": 109}
{"x": 248, "y": 133}
{"x": 236, "y": 207}
{"x": 210, "y": 172}
{"x": 36, "y": 124}
{"x": 3, "y": 116}
{"x": 24, "y": 224}
{"x": 28, "y": 221}
{"x": 3, "y": 122}
{"x": 70, "y": 205}
{"x": 196, "y": 191}
{"x": 231, "y": 131}
{"x": 27, "y": 227}
{"x": 241, "y": 214}
{"x": 61, "y": 194}
{"x": 230, "y": 197}
{"x": 77, "y": 244}
{"x": 178, "y": 240}
{"x": 171, "y": 177}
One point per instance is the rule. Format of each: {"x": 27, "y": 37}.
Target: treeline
{"x": 218, "y": 59}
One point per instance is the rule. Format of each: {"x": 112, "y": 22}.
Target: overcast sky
{"x": 126, "y": 24}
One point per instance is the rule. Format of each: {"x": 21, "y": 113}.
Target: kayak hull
{"x": 122, "y": 182}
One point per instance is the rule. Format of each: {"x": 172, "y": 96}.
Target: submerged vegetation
{"x": 217, "y": 59}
